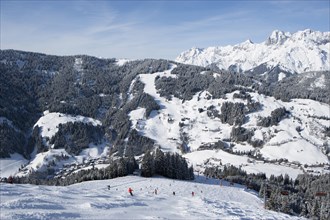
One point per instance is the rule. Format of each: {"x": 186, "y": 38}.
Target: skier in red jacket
{"x": 130, "y": 191}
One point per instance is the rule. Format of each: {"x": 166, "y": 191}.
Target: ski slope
{"x": 93, "y": 200}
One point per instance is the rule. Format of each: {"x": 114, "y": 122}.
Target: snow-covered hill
{"x": 93, "y": 200}
{"x": 49, "y": 123}
{"x": 298, "y": 138}
{"x": 298, "y": 52}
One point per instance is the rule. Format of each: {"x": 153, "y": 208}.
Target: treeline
{"x": 307, "y": 195}
{"x": 299, "y": 86}
{"x": 189, "y": 81}
{"x": 168, "y": 165}
{"x": 236, "y": 175}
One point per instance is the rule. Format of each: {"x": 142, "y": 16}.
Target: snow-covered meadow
{"x": 93, "y": 200}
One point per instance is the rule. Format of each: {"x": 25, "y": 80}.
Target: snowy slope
{"x": 55, "y": 158}
{"x": 49, "y": 123}
{"x": 92, "y": 200}
{"x": 298, "y": 52}
{"x": 280, "y": 141}
{"x": 58, "y": 159}
{"x": 10, "y": 166}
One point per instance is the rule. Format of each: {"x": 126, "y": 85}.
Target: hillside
{"x": 61, "y": 113}
{"x": 93, "y": 200}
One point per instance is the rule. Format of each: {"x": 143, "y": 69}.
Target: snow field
{"x": 93, "y": 200}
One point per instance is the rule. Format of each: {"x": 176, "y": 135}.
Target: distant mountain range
{"x": 298, "y": 52}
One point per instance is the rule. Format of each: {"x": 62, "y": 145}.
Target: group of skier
{"x": 130, "y": 191}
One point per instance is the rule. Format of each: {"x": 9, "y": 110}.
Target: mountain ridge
{"x": 298, "y": 52}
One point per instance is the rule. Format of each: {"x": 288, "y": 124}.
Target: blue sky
{"x": 150, "y": 29}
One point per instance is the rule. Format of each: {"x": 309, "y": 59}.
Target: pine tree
{"x": 113, "y": 170}
{"x": 170, "y": 171}
{"x": 191, "y": 175}
{"x": 159, "y": 162}
{"x": 147, "y": 165}
{"x": 131, "y": 165}
{"x": 122, "y": 167}
{"x": 286, "y": 179}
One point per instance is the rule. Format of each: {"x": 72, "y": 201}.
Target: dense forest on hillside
{"x": 99, "y": 88}
{"x": 307, "y": 195}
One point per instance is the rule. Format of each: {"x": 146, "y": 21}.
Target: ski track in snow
{"x": 92, "y": 200}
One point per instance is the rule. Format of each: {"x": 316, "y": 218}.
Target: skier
{"x": 130, "y": 191}
{"x": 192, "y": 193}
{"x": 173, "y": 193}
{"x": 155, "y": 191}
{"x": 109, "y": 187}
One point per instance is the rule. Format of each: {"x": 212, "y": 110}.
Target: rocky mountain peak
{"x": 277, "y": 38}
{"x": 297, "y": 52}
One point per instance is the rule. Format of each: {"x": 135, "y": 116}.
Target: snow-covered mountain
{"x": 82, "y": 109}
{"x": 298, "y": 52}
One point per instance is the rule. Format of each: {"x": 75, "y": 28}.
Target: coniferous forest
{"x": 307, "y": 195}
